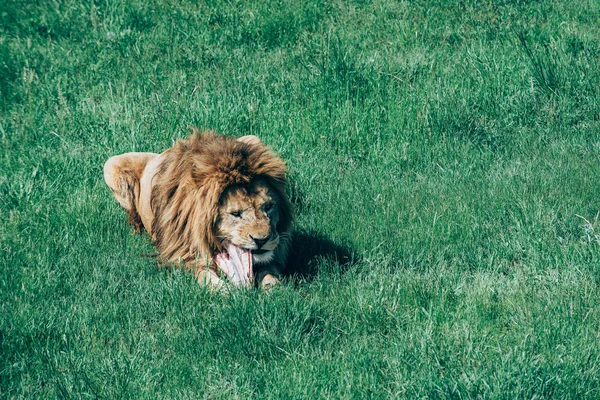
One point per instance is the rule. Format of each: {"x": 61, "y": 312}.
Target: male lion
{"x": 214, "y": 204}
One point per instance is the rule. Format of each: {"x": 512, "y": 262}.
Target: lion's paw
{"x": 268, "y": 282}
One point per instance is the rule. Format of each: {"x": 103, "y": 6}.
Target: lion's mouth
{"x": 260, "y": 251}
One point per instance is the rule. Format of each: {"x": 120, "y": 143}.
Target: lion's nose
{"x": 260, "y": 241}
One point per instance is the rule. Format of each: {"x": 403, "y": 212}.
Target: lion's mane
{"x": 189, "y": 184}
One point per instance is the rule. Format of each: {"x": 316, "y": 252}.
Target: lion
{"x": 207, "y": 203}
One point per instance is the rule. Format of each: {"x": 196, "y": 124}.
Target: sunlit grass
{"x": 443, "y": 161}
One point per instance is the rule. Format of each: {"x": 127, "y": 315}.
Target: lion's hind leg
{"x": 122, "y": 174}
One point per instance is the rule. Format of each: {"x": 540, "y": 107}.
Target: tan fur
{"x": 204, "y": 190}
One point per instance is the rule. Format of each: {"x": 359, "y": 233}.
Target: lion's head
{"x": 249, "y": 218}
{"x": 212, "y": 189}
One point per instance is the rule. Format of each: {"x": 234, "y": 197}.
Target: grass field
{"x": 444, "y": 161}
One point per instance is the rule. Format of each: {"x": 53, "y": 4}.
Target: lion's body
{"x": 204, "y": 192}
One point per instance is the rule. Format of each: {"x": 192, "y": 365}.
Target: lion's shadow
{"x": 308, "y": 250}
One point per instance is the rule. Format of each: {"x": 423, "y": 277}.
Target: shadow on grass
{"x": 308, "y": 250}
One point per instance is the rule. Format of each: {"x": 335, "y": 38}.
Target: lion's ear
{"x": 250, "y": 139}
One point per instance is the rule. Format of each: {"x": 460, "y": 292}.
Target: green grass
{"x": 445, "y": 160}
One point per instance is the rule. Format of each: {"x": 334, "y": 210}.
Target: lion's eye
{"x": 236, "y": 214}
{"x": 268, "y": 207}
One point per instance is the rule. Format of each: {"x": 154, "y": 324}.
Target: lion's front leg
{"x": 268, "y": 277}
{"x": 269, "y": 281}
{"x": 211, "y": 279}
